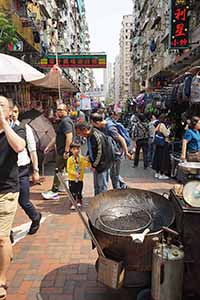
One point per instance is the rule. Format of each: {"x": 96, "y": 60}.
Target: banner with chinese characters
{"x": 179, "y": 24}
{"x": 75, "y": 61}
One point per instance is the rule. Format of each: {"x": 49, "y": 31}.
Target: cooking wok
{"x": 190, "y": 167}
{"x": 116, "y": 244}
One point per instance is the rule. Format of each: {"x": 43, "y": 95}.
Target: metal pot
{"x": 192, "y": 168}
{"x": 119, "y": 245}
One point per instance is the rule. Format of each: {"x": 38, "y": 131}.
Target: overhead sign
{"x": 75, "y": 61}
{"x": 18, "y": 46}
{"x": 179, "y": 24}
{"x": 95, "y": 94}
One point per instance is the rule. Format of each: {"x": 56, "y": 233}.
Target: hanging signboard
{"x": 179, "y": 24}
{"x": 75, "y": 61}
{"x": 85, "y": 104}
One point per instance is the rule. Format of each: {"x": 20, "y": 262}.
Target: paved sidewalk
{"x": 58, "y": 263}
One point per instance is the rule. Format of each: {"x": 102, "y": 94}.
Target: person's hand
{"x": 129, "y": 156}
{"x": 92, "y": 169}
{"x": 183, "y": 158}
{"x": 66, "y": 155}
{"x": 46, "y": 150}
{"x": 2, "y": 116}
{"x": 77, "y": 175}
{"x": 35, "y": 176}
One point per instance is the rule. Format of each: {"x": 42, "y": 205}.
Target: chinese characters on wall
{"x": 179, "y": 24}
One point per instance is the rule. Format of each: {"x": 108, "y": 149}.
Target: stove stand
{"x": 187, "y": 223}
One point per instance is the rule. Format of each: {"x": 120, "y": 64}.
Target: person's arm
{"x": 86, "y": 162}
{"x": 184, "y": 149}
{"x": 15, "y": 141}
{"x": 34, "y": 160}
{"x": 124, "y": 146}
{"x": 164, "y": 130}
{"x": 69, "y": 140}
{"x": 70, "y": 168}
{"x": 50, "y": 146}
{"x": 99, "y": 150}
{"x": 31, "y": 145}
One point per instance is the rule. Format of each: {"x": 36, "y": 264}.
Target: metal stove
{"x": 187, "y": 223}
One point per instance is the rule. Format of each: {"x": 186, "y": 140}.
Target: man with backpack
{"x": 101, "y": 154}
{"x": 140, "y": 137}
{"x": 115, "y": 131}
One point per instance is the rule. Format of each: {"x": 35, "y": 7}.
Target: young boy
{"x": 76, "y": 165}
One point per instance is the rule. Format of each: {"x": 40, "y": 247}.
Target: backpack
{"x": 139, "y": 131}
{"x": 121, "y": 130}
{"x": 109, "y": 151}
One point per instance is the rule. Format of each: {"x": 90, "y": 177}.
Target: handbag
{"x": 159, "y": 138}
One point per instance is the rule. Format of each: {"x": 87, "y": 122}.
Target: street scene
{"x": 99, "y": 150}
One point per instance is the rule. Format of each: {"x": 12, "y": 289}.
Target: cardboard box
{"x": 110, "y": 272}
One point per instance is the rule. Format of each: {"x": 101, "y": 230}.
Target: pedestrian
{"x": 153, "y": 122}
{"x": 27, "y": 156}
{"x": 65, "y": 133}
{"x": 99, "y": 155}
{"x": 12, "y": 142}
{"x": 191, "y": 141}
{"x": 140, "y": 138}
{"x": 161, "y": 162}
{"x": 108, "y": 128}
{"x": 76, "y": 165}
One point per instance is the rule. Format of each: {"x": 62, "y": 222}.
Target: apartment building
{"x": 46, "y": 27}
{"x": 125, "y": 56}
{"x": 153, "y": 63}
{"x": 117, "y": 79}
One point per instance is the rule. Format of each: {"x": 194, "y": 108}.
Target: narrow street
{"x": 58, "y": 262}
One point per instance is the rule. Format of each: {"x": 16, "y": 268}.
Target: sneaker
{"x": 35, "y": 225}
{"x": 79, "y": 203}
{"x": 157, "y": 175}
{"x": 163, "y": 177}
{"x": 50, "y": 195}
{"x": 61, "y": 189}
{"x": 72, "y": 207}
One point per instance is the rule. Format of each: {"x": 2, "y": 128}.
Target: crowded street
{"x": 99, "y": 150}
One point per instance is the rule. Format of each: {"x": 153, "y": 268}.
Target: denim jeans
{"x": 151, "y": 150}
{"x": 101, "y": 182}
{"x": 24, "y": 194}
{"x": 117, "y": 180}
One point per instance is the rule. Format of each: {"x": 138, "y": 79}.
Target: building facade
{"x": 125, "y": 56}
{"x": 153, "y": 63}
{"x": 46, "y": 27}
{"x": 117, "y": 79}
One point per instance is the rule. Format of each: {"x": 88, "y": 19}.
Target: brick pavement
{"x": 58, "y": 263}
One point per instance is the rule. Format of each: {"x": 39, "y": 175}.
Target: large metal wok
{"x": 115, "y": 215}
{"x": 192, "y": 168}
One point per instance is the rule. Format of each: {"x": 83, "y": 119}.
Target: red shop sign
{"x": 179, "y": 24}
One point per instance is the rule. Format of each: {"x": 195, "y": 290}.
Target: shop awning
{"x": 56, "y": 79}
{"x": 13, "y": 70}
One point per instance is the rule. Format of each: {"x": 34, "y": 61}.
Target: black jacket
{"x": 98, "y": 150}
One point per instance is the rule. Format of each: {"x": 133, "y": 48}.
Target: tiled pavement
{"x": 58, "y": 263}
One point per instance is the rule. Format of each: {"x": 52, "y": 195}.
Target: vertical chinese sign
{"x": 179, "y": 24}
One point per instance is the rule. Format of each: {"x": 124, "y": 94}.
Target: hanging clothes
{"x": 195, "y": 89}
{"x": 187, "y": 86}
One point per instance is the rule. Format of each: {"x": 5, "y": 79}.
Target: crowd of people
{"x": 108, "y": 143}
